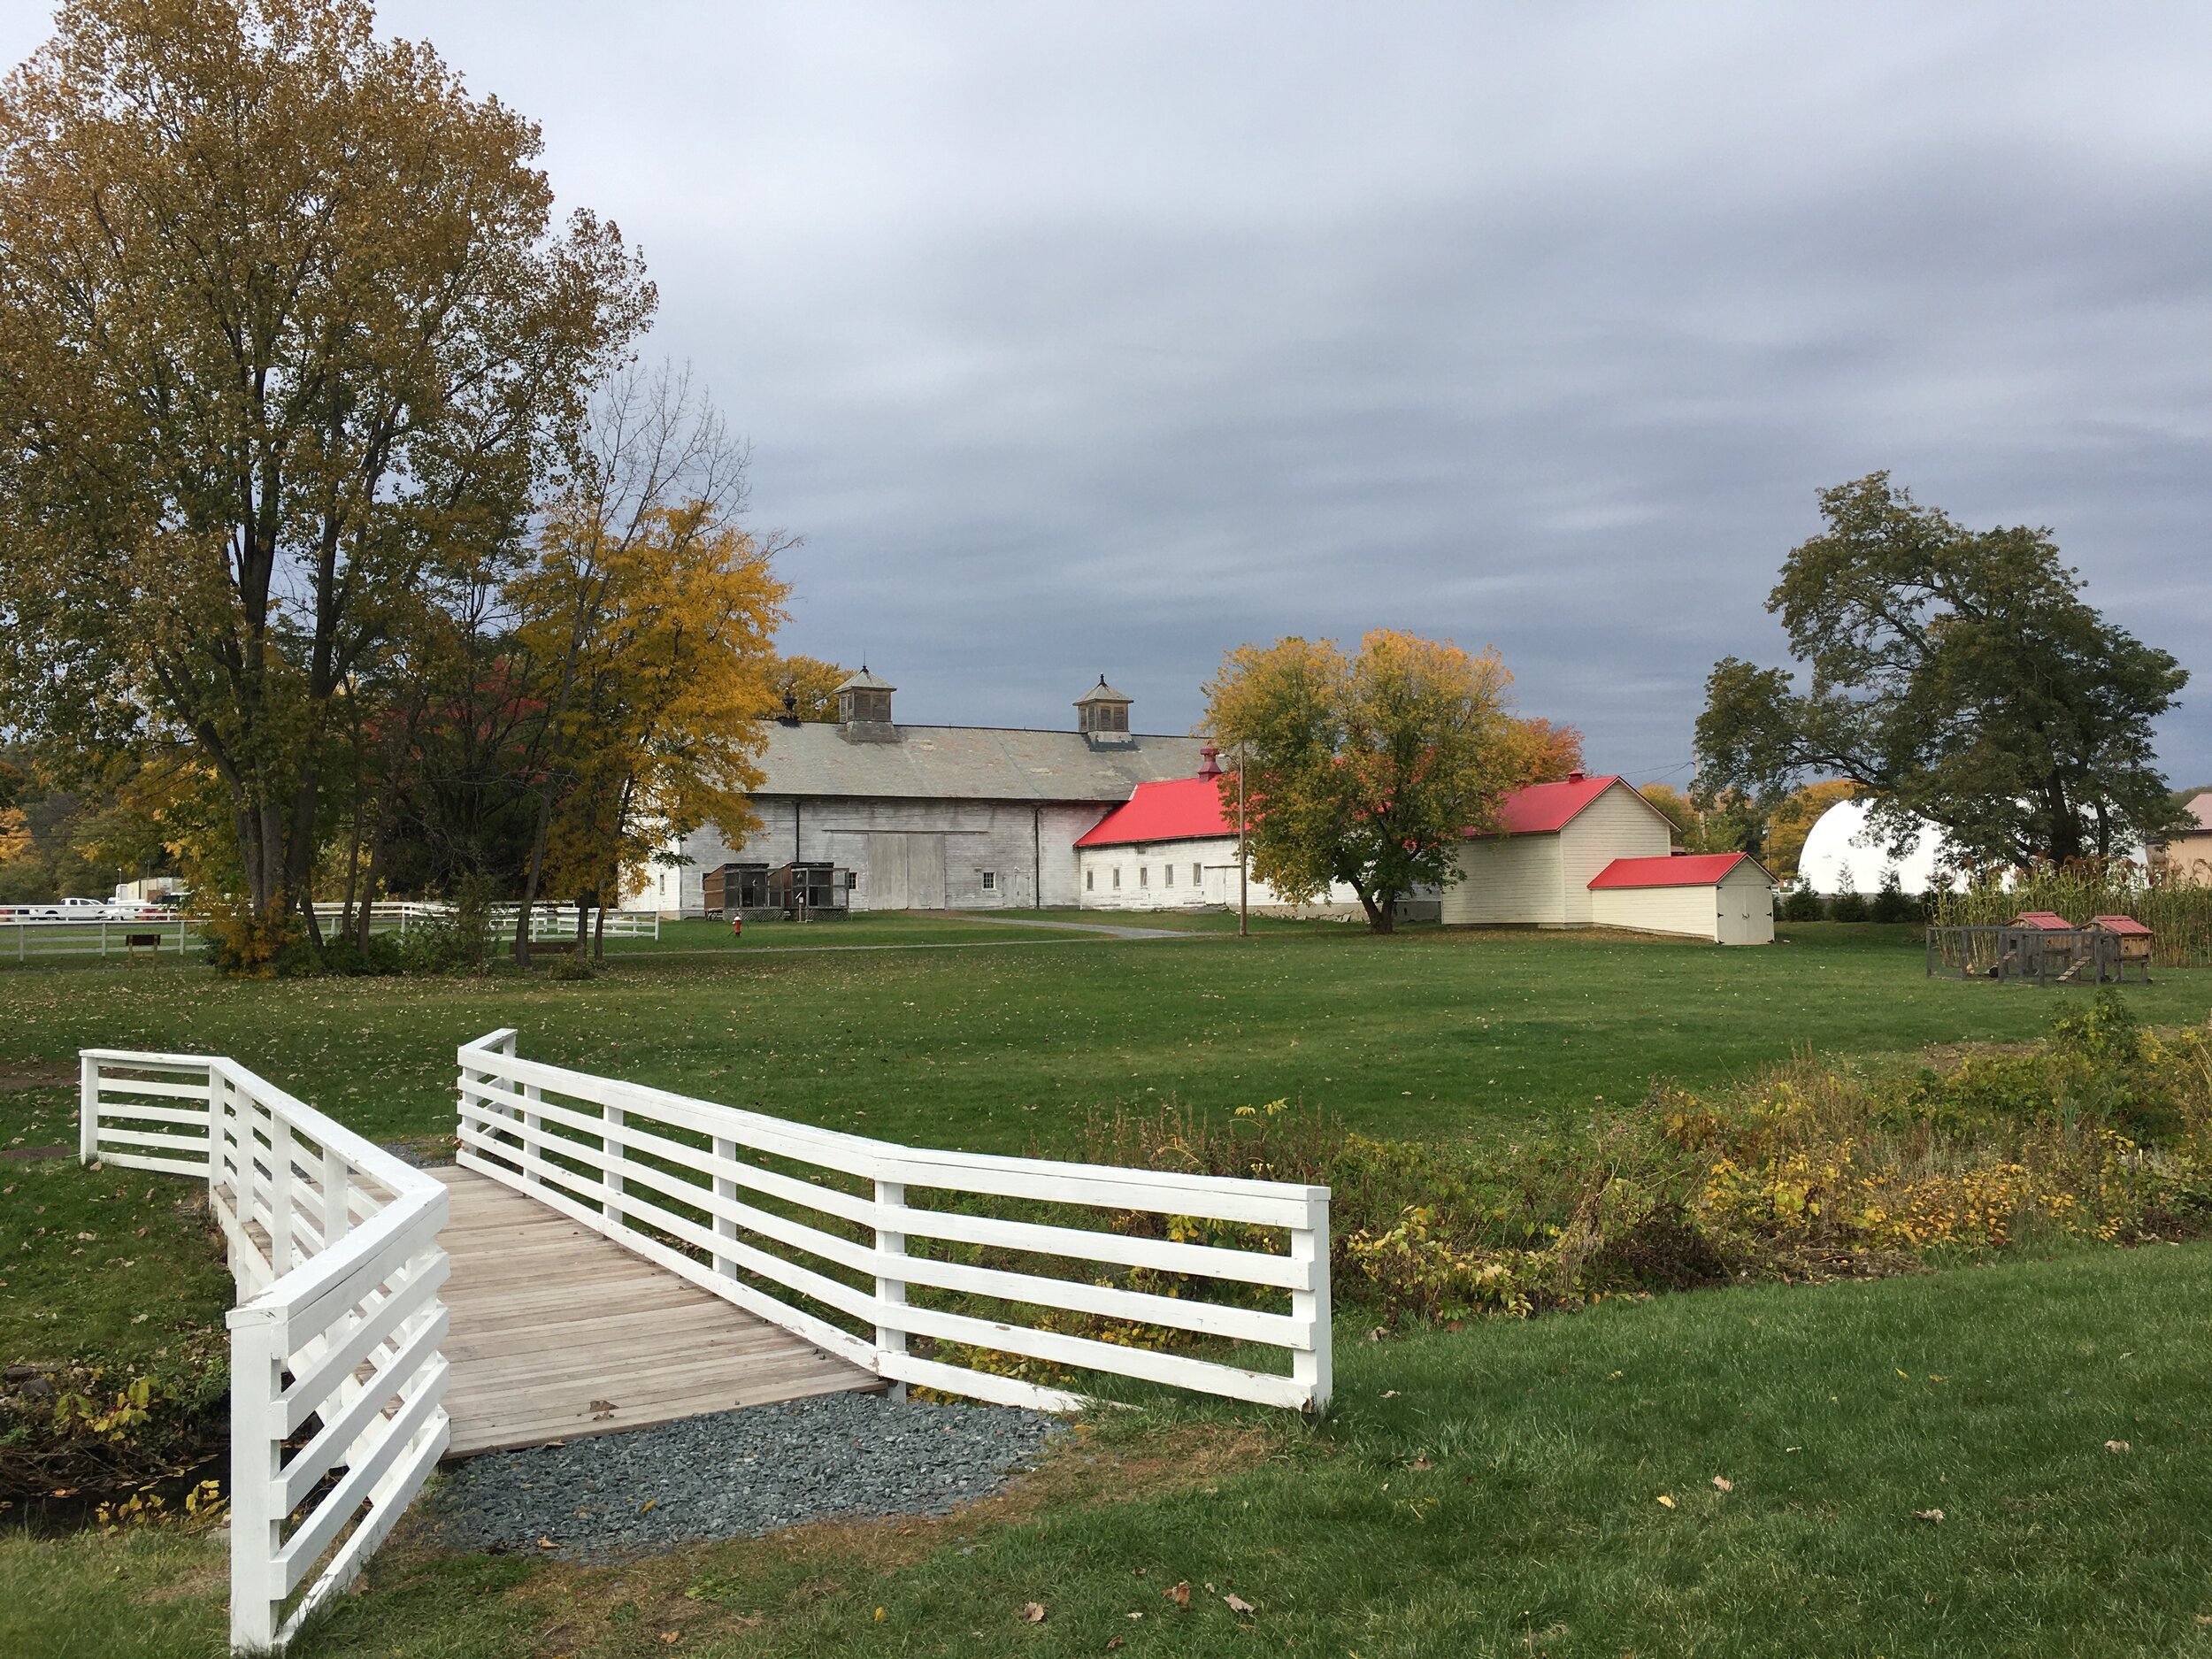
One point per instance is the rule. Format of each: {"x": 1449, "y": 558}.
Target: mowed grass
{"x": 1009, "y": 1044}
{"x": 1492, "y": 1491}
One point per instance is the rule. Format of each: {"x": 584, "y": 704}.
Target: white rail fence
{"x": 691, "y": 1185}
{"x": 547, "y": 921}
{"x": 25, "y": 939}
{"x": 337, "y": 1380}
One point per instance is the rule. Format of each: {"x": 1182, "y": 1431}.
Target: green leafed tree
{"x": 1368, "y": 770}
{"x": 1955, "y": 675}
{"x": 288, "y": 337}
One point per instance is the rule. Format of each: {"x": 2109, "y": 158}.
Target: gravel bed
{"x": 734, "y": 1474}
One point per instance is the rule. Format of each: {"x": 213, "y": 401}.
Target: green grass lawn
{"x": 1492, "y": 1491}
{"x": 1426, "y": 1034}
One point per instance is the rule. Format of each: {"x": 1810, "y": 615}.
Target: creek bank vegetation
{"x": 2100, "y": 1133}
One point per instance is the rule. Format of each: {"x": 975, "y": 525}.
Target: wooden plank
{"x": 548, "y": 1316}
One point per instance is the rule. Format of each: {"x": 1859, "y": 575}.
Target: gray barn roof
{"x": 967, "y": 762}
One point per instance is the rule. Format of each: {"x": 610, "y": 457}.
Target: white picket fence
{"x": 679, "y": 1182}
{"x": 334, "y": 1247}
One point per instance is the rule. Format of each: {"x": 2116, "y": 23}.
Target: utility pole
{"x": 1243, "y": 884}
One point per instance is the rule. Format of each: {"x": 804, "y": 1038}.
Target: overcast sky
{"x": 1103, "y": 338}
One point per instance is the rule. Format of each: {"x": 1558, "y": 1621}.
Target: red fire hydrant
{"x": 737, "y": 927}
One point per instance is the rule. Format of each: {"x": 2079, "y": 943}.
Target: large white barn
{"x": 866, "y": 814}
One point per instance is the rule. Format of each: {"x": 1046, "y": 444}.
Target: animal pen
{"x": 2037, "y": 953}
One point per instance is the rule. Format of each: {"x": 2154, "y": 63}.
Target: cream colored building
{"x": 1725, "y": 897}
{"x": 2187, "y": 858}
{"x": 1552, "y": 839}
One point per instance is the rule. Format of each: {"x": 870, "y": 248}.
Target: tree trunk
{"x": 599, "y": 935}
{"x": 1378, "y": 917}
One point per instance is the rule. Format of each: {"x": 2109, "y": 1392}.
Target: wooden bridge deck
{"x": 557, "y": 1332}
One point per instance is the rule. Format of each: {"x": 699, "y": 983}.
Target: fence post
{"x": 1312, "y": 1366}
{"x": 280, "y": 1195}
{"x": 103, "y": 938}
{"x": 611, "y": 1176}
{"x": 337, "y": 1212}
{"x": 890, "y": 1287}
{"x": 88, "y": 1109}
{"x": 256, "y": 1470}
{"x": 725, "y": 1267}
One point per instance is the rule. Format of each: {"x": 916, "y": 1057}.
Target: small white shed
{"x": 1725, "y": 897}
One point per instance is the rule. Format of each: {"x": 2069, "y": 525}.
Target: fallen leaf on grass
{"x": 1665, "y": 1502}
{"x": 1238, "y": 1604}
{"x": 1390, "y": 1393}
{"x": 2116, "y": 1446}
{"x": 878, "y": 1615}
{"x": 1933, "y": 1517}
{"x": 1723, "y": 1483}
{"x": 1112, "y": 1642}
{"x": 1032, "y": 1612}
{"x": 671, "y": 1636}
{"x": 1179, "y": 1593}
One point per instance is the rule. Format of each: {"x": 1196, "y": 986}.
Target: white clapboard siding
{"x": 603, "y": 1152}
{"x": 334, "y": 1247}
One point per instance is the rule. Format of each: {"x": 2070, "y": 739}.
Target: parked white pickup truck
{"x": 72, "y": 910}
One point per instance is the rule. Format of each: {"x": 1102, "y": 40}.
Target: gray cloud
{"x": 1105, "y": 338}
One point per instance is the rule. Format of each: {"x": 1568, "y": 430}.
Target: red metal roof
{"x": 2049, "y": 921}
{"x": 1544, "y": 807}
{"x": 2118, "y": 925}
{"x": 1178, "y": 810}
{"x": 1689, "y": 870}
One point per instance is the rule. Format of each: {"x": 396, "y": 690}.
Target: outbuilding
{"x": 1534, "y": 868}
{"x": 1173, "y": 846}
{"x": 1725, "y": 897}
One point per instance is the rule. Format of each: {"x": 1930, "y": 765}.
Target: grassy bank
{"x": 1492, "y": 1491}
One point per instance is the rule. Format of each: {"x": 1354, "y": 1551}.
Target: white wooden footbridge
{"x": 605, "y": 1256}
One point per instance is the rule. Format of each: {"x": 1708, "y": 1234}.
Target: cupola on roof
{"x": 1102, "y": 692}
{"x": 865, "y": 681}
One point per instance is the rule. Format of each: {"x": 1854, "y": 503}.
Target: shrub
{"x": 1891, "y": 903}
{"x": 1849, "y": 907}
{"x": 457, "y": 941}
{"x": 575, "y": 965}
{"x": 1803, "y": 904}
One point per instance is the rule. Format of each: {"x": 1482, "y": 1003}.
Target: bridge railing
{"x": 337, "y": 1380}
{"x": 833, "y": 1236}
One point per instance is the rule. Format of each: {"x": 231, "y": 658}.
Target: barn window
{"x": 990, "y": 881}
{"x": 1090, "y": 880}
{"x": 1144, "y": 875}
{"x": 1117, "y": 878}
{"x": 1198, "y": 875}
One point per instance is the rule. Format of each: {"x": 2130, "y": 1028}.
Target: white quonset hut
{"x": 1535, "y": 868}
{"x": 877, "y": 816}
{"x": 1725, "y": 897}
{"x": 1174, "y": 846}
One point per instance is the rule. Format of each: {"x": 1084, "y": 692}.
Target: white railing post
{"x": 337, "y": 1195}
{"x": 279, "y": 1196}
{"x": 529, "y": 1154}
{"x": 724, "y": 1226}
{"x": 215, "y": 1101}
{"x": 611, "y": 1177}
{"x": 256, "y": 1472}
{"x": 890, "y": 1287}
{"x": 1312, "y": 1366}
{"x": 88, "y": 1109}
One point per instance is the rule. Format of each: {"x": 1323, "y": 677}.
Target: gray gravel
{"x": 734, "y": 1474}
